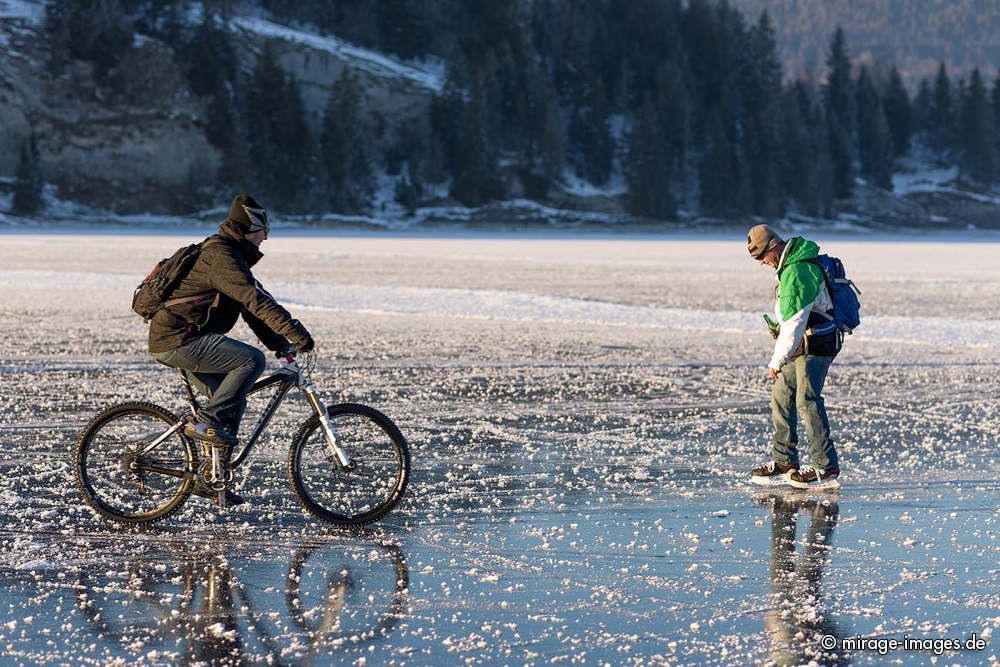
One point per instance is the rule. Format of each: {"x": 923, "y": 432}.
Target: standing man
{"x": 189, "y": 331}
{"x": 806, "y": 341}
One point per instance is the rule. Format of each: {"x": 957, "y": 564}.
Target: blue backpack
{"x": 843, "y": 293}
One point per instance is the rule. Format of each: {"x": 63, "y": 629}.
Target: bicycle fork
{"x": 333, "y": 448}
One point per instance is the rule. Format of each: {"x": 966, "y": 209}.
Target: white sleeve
{"x": 792, "y": 331}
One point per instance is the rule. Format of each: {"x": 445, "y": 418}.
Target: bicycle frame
{"x": 287, "y": 377}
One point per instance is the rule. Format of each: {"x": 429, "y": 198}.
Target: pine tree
{"x": 476, "y": 169}
{"x": 345, "y": 157}
{"x": 675, "y": 111}
{"x": 648, "y": 167}
{"x": 447, "y": 108}
{"x": 839, "y": 113}
{"x": 98, "y": 31}
{"x": 806, "y": 165}
{"x": 874, "y": 140}
{"x": 29, "y": 180}
{"x": 550, "y": 143}
{"x": 922, "y": 108}
{"x": 58, "y": 21}
{"x": 590, "y": 136}
{"x": 797, "y": 154}
{"x": 408, "y": 192}
{"x": 898, "y": 113}
{"x": 719, "y": 176}
{"x": 941, "y": 120}
{"x": 225, "y": 129}
{"x": 761, "y": 134}
{"x": 278, "y": 138}
{"x": 976, "y": 131}
{"x": 265, "y": 98}
{"x": 208, "y": 58}
{"x": 494, "y": 101}
{"x": 995, "y": 97}
{"x": 401, "y": 27}
{"x": 705, "y": 59}
{"x": 825, "y": 176}
{"x": 295, "y": 174}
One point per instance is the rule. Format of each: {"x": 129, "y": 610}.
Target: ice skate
{"x": 772, "y": 474}
{"x": 815, "y": 480}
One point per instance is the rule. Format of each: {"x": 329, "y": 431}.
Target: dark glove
{"x": 305, "y": 346}
{"x": 286, "y": 350}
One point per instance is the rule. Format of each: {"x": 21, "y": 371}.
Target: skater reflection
{"x": 796, "y": 622}
{"x": 205, "y": 609}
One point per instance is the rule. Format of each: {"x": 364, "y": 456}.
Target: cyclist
{"x": 190, "y": 335}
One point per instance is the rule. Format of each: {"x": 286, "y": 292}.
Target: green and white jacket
{"x": 803, "y": 300}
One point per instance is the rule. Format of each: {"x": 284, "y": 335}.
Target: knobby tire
{"x": 398, "y": 446}
{"x": 83, "y": 477}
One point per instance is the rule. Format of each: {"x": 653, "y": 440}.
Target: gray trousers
{"x": 797, "y": 392}
{"x": 224, "y": 370}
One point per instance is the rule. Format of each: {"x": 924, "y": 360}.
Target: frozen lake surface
{"x": 581, "y": 413}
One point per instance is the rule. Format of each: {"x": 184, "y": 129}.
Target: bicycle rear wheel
{"x": 123, "y": 485}
{"x": 350, "y": 497}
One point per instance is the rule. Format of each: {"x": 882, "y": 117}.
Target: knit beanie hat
{"x": 760, "y": 239}
{"x": 247, "y": 214}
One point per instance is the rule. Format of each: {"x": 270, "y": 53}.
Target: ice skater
{"x": 806, "y": 342}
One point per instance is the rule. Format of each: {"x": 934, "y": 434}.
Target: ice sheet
{"x": 581, "y": 413}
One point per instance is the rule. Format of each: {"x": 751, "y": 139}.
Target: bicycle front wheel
{"x": 122, "y": 483}
{"x": 363, "y": 494}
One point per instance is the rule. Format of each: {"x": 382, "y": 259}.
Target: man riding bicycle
{"x": 189, "y": 332}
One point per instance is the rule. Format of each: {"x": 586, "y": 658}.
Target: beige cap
{"x": 760, "y": 239}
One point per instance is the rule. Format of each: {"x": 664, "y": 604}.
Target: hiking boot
{"x": 210, "y": 433}
{"x": 772, "y": 474}
{"x": 810, "y": 478}
{"x": 204, "y": 492}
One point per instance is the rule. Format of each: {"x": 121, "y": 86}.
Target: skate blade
{"x": 777, "y": 480}
{"x": 825, "y": 485}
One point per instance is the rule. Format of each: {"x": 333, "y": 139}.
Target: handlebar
{"x": 300, "y": 362}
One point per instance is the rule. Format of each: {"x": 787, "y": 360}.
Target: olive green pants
{"x": 798, "y": 392}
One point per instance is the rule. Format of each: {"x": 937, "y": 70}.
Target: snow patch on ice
{"x": 46, "y": 278}
{"x": 524, "y": 307}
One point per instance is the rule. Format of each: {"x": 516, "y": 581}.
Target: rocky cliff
{"x": 143, "y": 147}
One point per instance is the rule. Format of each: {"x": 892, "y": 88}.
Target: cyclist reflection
{"x": 215, "y": 611}
{"x": 214, "y": 637}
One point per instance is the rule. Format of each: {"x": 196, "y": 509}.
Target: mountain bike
{"x": 348, "y": 464}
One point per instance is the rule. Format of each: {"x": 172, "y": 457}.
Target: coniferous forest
{"x": 686, "y": 102}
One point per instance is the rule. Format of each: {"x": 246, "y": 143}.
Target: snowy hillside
{"x": 158, "y": 113}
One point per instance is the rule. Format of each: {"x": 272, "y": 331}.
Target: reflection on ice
{"x": 222, "y": 604}
{"x": 798, "y": 619}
